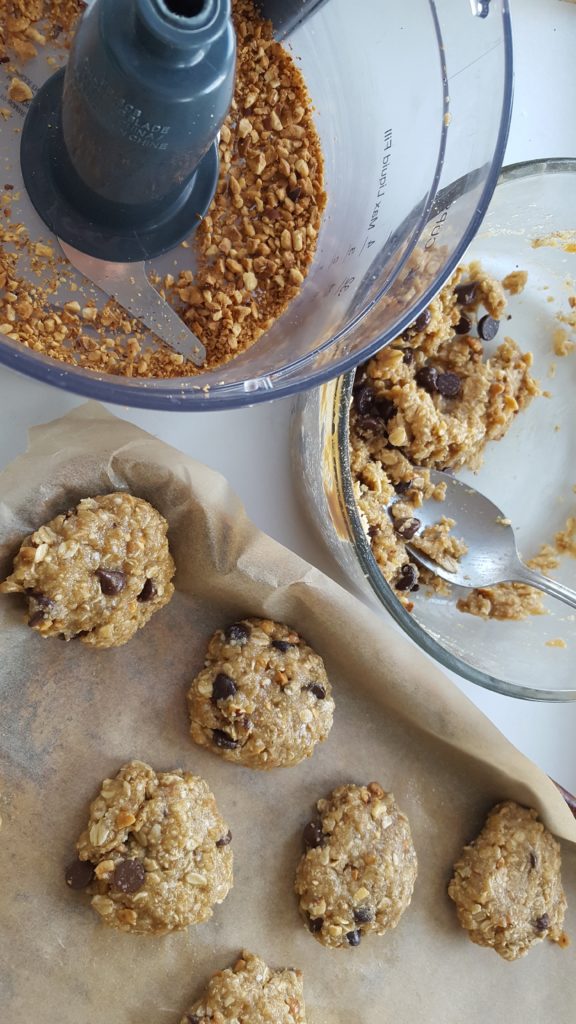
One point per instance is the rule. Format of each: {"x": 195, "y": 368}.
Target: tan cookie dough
{"x": 155, "y": 855}
{"x": 263, "y": 699}
{"x": 359, "y": 869}
{"x": 432, "y": 399}
{"x": 506, "y": 885}
{"x": 251, "y": 993}
{"x": 97, "y": 573}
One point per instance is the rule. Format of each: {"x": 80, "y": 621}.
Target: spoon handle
{"x": 536, "y": 579}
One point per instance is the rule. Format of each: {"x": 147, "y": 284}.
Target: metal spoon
{"x": 492, "y": 554}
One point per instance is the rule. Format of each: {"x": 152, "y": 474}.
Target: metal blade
{"x": 128, "y": 284}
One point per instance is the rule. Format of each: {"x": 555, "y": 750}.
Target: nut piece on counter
{"x": 263, "y": 698}
{"x": 359, "y": 869}
{"x": 251, "y": 991}
{"x": 155, "y": 856}
{"x": 97, "y": 573}
{"x": 507, "y": 886}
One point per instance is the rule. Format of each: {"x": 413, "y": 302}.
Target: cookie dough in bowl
{"x": 155, "y": 856}
{"x": 507, "y": 886}
{"x": 263, "y": 698}
{"x": 250, "y": 991}
{"x": 97, "y": 573}
{"x": 358, "y": 872}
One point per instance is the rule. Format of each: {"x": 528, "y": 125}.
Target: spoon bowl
{"x": 492, "y": 556}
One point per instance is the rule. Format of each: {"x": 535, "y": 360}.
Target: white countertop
{"x": 250, "y": 446}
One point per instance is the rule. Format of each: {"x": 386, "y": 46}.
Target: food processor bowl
{"x": 412, "y": 104}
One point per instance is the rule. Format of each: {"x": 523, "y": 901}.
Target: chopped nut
{"x": 124, "y": 818}
{"x": 19, "y": 91}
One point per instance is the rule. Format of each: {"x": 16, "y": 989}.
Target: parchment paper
{"x": 71, "y": 715}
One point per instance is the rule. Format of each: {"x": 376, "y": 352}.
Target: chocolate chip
{"x": 112, "y": 581}
{"x": 282, "y": 645}
{"x": 542, "y": 923}
{"x": 9, "y": 188}
{"x": 373, "y": 531}
{"x": 223, "y": 740}
{"x": 129, "y": 875}
{"x": 42, "y": 600}
{"x": 533, "y": 859}
{"x": 223, "y": 687}
{"x": 403, "y": 486}
{"x": 315, "y": 688}
{"x": 385, "y": 409}
{"x": 148, "y": 591}
{"x": 408, "y": 356}
{"x": 313, "y": 835}
{"x": 407, "y": 528}
{"x": 237, "y": 633}
{"x": 4, "y": 60}
{"x": 294, "y": 193}
{"x": 407, "y": 577}
{"x": 426, "y": 378}
{"x": 79, "y": 874}
{"x": 488, "y": 328}
{"x": 354, "y": 937}
{"x": 36, "y": 618}
{"x": 315, "y": 924}
{"x": 464, "y": 325}
{"x": 193, "y": 1018}
{"x": 466, "y": 293}
{"x": 363, "y": 914}
{"x": 448, "y": 385}
{"x": 364, "y": 399}
{"x": 423, "y": 320}
{"x": 225, "y": 840}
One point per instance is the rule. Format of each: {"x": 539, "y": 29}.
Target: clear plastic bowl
{"x": 413, "y": 104}
{"x": 530, "y": 474}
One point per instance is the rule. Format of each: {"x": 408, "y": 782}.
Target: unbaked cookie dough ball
{"x": 359, "y": 868}
{"x": 252, "y": 992}
{"x": 263, "y": 698}
{"x": 506, "y": 884}
{"x": 155, "y": 856}
{"x": 97, "y": 573}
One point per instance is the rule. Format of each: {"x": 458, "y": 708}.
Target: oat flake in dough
{"x": 359, "y": 870}
{"x": 159, "y": 848}
{"x": 97, "y": 573}
{"x": 263, "y": 699}
{"x": 506, "y": 884}
{"x": 251, "y": 993}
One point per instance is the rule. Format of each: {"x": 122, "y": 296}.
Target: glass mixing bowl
{"x": 530, "y": 474}
{"x": 413, "y": 104}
